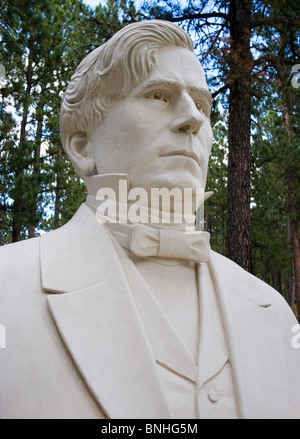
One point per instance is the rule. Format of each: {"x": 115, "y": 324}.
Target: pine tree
{"x": 34, "y": 36}
{"x": 42, "y": 43}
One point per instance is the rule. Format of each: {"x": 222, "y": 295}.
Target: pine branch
{"x": 196, "y": 16}
{"x": 273, "y": 59}
{"x": 200, "y": 16}
{"x": 268, "y": 21}
{"x": 220, "y": 90}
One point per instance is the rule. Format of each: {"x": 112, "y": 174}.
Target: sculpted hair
{"x": 110, "y": 72}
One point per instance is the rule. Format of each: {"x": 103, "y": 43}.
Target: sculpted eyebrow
{"x": 162, "y": 82}
{"x": 166, "y": 83}
{"x": 203, "y": 91}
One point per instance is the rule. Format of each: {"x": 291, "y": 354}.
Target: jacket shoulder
{"x": 22, "y": 252}
{"x": 19, "y": 263}
{"x": 231, "y": 271}
{"x": 246, "y": 285}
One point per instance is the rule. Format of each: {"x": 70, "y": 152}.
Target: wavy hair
{"x": 110, "y": 72}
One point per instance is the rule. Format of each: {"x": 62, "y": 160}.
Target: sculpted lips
{"x": 182, "y": 152}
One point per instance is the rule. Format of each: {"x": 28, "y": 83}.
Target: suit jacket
{"x": 80, "y": 345}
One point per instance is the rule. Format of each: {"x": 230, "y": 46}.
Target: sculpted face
{"x": 160, "y": 134}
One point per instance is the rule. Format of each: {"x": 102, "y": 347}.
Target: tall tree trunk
{"x": 36, "y": 172}
{"x": 18, "y": 206}
{"x": 276, "y": 280}
{"x": 290, "y": 289}
{"x": 57, "y": 202}
{"x": 293, "y": 224}
{"x": 31, "y": 232}
{"x": 239, "y": 159}
{"x": 294, "y": 234}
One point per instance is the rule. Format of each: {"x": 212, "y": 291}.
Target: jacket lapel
{"x": 98, "y": 319}
{"x": 254, "y": 338}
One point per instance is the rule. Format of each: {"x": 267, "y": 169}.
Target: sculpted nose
{"x": 188, "y": 119}
{"x": 188, "y": 125}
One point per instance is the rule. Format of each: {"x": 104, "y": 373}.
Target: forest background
{"x": 250, "y": 51}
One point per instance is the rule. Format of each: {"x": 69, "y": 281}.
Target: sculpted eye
{"x": 156, "y": 95}
{"x": 200, "y": 106}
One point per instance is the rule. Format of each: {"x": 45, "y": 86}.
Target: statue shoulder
{"x": 244, "y": 284}
{"x": 14, "y": 253}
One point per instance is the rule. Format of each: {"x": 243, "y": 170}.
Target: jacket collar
{"x": 64, "y": 251}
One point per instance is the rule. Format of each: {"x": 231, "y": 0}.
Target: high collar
{"x": 118, "y": 204}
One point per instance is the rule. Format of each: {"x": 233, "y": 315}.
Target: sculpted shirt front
{"x": 181, "y": 318}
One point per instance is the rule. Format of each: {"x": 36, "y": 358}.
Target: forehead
{"x": 176, "y": 64}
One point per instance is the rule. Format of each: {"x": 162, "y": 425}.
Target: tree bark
{"x": 36, "y": 173}
{"x": 290, "y": 289}
{"x": 57, "y": 203}
{"x": 293, "y": 223}
{"x": 18, "y": 206}
{"x": 239, "y": 159}
{"x": 294, "y": 235}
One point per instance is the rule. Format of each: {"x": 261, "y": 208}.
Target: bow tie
{"x": 146, "y": 241}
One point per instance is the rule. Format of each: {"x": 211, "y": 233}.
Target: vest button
{"x": 213, "y": 395}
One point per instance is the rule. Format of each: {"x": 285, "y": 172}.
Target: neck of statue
{"x": 115, "y": 202}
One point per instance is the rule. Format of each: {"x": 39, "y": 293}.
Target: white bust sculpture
{"x": 123, "y": 320}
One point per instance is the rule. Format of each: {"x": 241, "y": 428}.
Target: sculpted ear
{"x": 79, "y": 151}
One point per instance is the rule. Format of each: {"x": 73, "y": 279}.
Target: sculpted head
{"x": 139, "y": 104}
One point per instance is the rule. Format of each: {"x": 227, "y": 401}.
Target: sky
{"x": 94, "y": 3}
